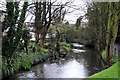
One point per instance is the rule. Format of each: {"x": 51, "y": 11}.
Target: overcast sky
{"x": 74, "y": 14}
{"x": 80, "y": 5}
{"x": 70, "y": 17}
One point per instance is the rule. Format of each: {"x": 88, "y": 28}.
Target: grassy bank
{"x": 111, "y": 72}
{"x": 112, "y": 60}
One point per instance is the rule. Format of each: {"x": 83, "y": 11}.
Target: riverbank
{"x": 82, "y": 61}
{"x": 111, "y": 72}
{"x": 23, "y": 61}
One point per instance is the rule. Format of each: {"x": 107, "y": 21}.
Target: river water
{"x": 81, "y": 63}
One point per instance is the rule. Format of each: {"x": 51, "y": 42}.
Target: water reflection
{"x": 73, "y": 66}
{"x": 74, "y": 69}
{"x": 77, "y": 50}
{"x": 77, "y": 45}
{"x": 27, "y": 75}
{"x": 71, "y": 69}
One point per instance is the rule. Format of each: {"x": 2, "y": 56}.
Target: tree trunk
{"x": 36, "y": 25}
{"x": 57, "y": 42}
{"x": 36, "y": 38}
{"x": 41, "y": 40}
{"x": 43, "y": 36}
{"x": 45, "y": 24}
{"x": 26, "y": 44}
{"x": 100, "y": 30}
{"x": 108, "y": 33}
{"x": 114, "y": 30}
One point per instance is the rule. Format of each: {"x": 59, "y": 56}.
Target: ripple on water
{"x": 74, "y": 66}
{"x": 77, "y": 50}
{"x": 28, "y": 75}
{"x": 77, "y": 45}
{"x": 71, "y": 69}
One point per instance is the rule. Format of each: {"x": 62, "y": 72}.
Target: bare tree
{"x": 45, "y": 14}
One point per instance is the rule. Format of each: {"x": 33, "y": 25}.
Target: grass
{"x": 111, "y": 72}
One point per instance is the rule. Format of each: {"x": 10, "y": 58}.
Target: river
{"x": 81, "y": 63}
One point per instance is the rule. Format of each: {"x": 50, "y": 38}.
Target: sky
{"x": 73, "y": 16}
{"x": 70, "y": 17}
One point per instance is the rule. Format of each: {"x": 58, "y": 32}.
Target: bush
{"x": 55, "y": 54}
{"x": 64, "y": 44}
{"x": 10, "y": 65}
{"x": 42, "y": 50}
{"x": 103, "y": 54}
{"x": 67, "y": 48}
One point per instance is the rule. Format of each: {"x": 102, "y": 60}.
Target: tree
{"x": 78, "y": 22}
{"x": 45, "y": 14}
{"x": 42, "y": 23}
{"x": 104, "y": 24}
{"x": 13, "y": 27}
{"x": 112, "y": 28}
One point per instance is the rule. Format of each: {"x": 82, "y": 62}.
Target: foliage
{"x": 59, "y": 34}
{"x": 61, "y": 30}
{"x": 10, "y": 65}
{"x": 67, "y": 48}
{"x": 112, "y": 28}
{"x": 92, "y": 33}
{"x": 27, "y": 60}
{"x": 115, "y": 59}
{"x": 22, "y": 60}
{"x": 78, "y": 22}
{"x": 46, "y": 44}
{"x": 55, "y": 54}
{"x": 14, "y": 56}
{"x": 45, "y": 14}
{"x": 72, "y": 35}
{"x": 25, "y": 34}
{"x": 81, "y": 35}
{"x": 64, "y": 44}
{"x": 67, "y": 23}
{"x": 14, "y": 28}
{"x": 42, "y": 50}
{"x": 102, "y": 28}
{"x": 103, "y": 54}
